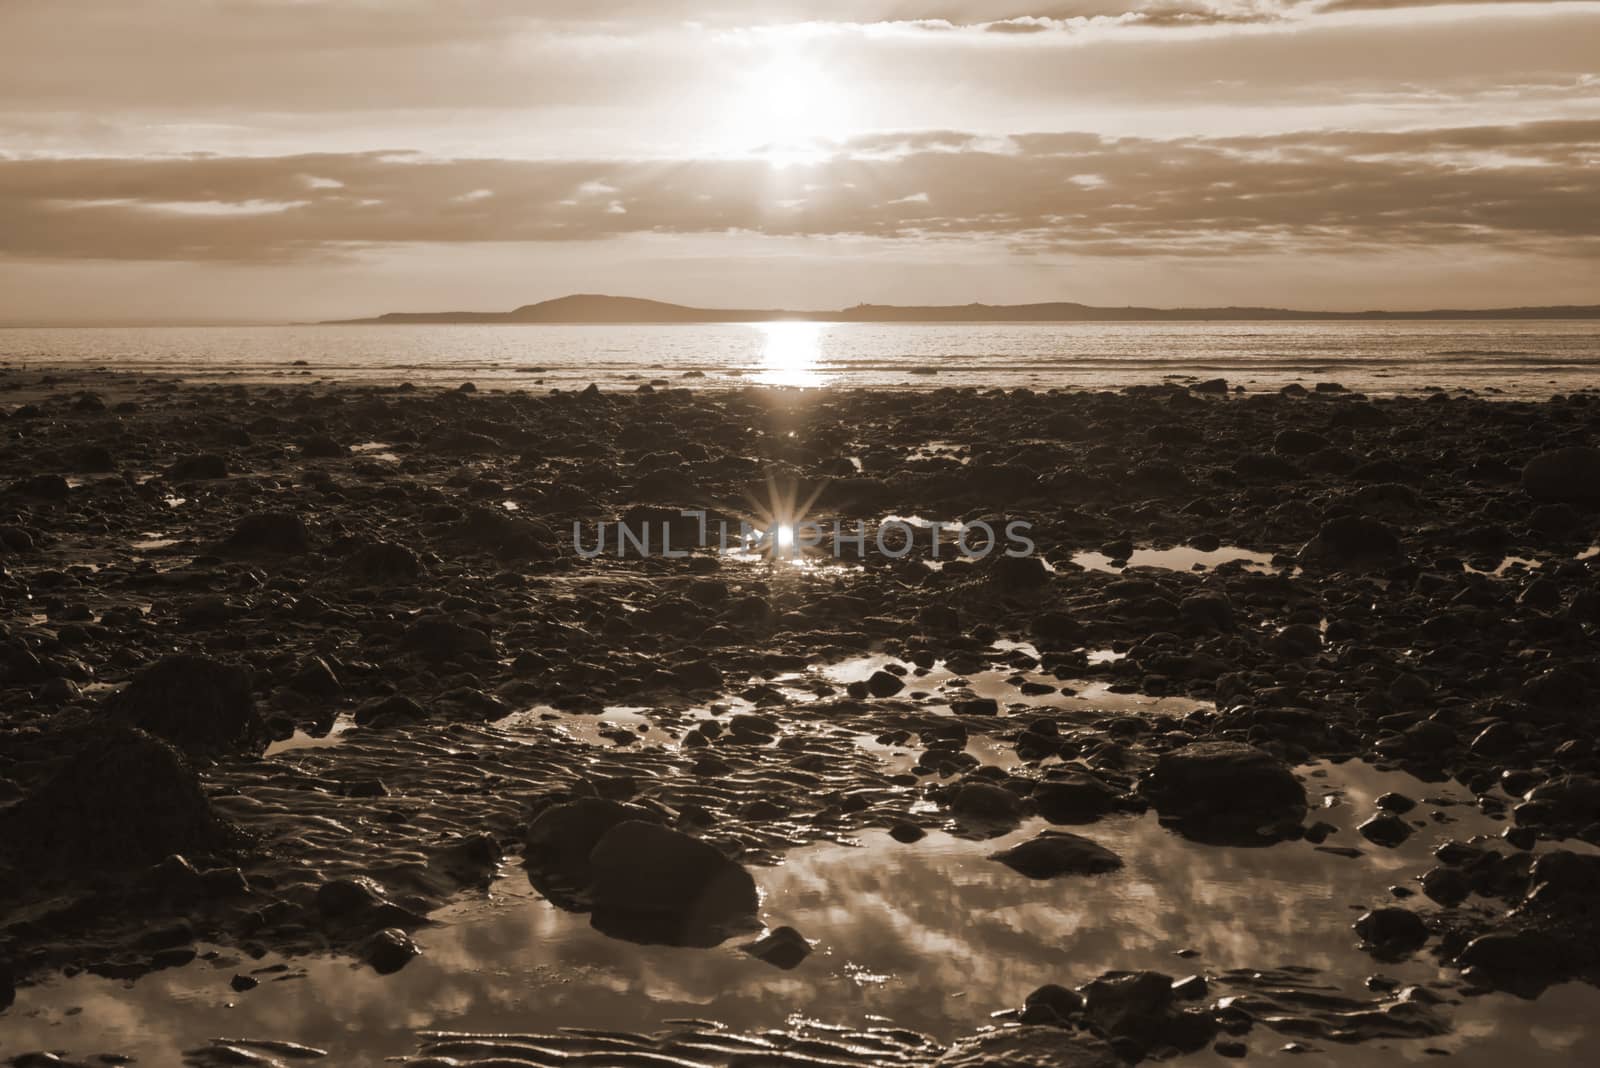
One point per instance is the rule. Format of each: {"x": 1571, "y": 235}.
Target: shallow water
{"x": 1519, "y": 358}
{"x": 932, "y": 936}
{"x": 1180, "y": 558}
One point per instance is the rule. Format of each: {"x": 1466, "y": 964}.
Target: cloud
{"x": 1490, "y": 187}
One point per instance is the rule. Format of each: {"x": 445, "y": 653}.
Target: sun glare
{"x": 791, "y": 354}
{"x": 785, "y": 108}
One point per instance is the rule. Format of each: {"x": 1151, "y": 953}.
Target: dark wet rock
{"x": 338, "y": 898}
{"x": 1392, "y": 930}
{"x": 198, "y": 468}
{"x": 1226, "y": 789}
{"x": 1076, "y": 797}
{"x": 1209, "y": 610}
{"x": 122, "y": 799}
{"x": 975, "y": 706}
{"x": 907, "y": 832}
{"x": 1139, "y": 1009}
{"x": 316, "y": 679}
{"x": 1055, "y": 853}
{"x": 1385, "y": 829}
{"x": 44, "y": 487}
{"x": 1570, "y": 474}
{"x": 883, "y": 684}
{"x": 1446, "y": 886}
{"x": 1298, "y": 442}
{"x": 389, "y": 950}
{"x": 1030, "y": 1047}
{"x": 385, "y": 561}
{"x": 986, "y": 802}
{"x": 1052, "y": 1004}
{"x": 437, "y": 636}
{"x": 1524, "y": 952}
{"x": 269, "y": 532}
{"x": 389, "y": 710}
{"x": 560, "y": 838}
{"x": 1353, "y": 541}
{"x": 201, "y": 705}
{"x": 657, "y": 884}
{"x": 242, "y": 983}
{"x": 783, "y": 947}
{"x": 322, "y": 447}
{"x": 8, "y": 984}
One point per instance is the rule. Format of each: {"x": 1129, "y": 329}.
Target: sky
{"x": 301, "y": 159}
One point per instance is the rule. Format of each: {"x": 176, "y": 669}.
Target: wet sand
{"x": 337, "y": 649}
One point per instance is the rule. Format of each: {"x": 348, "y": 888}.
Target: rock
{"x": 439, "y": 637}
{"x": 907, "y": 832}
{"x": 1207, "y": 610}
{"x": 201, "y": 705}
{"x": 1385, "y": 829}
{"x": 883, "y": 684}
{"x": 198, "y": 468}
{"x": 8, "y": 984}
{"x": 338, "y": 898}
{"x": 1353, "y": 541}
{"x": 1298, "y": 442}
{"x": 1392, "y": 930}
{"x": 242, "y": 983}
{"x": 984, "y": 801}
{"x": 322, "y": 447}
{"x": 316, "y": 679}
{"x": 783, "y": 948}
{"x": 123, "y": 799}
{"x": 1051, "y": 1004}
{"x": 1528, "y": 952}
{"x": 1570, "y": 474}
{"x": 389, "y": 950}
{"x": 652, "y": 883}
{"x": 1226, "y": 790}
{"x": 44, "y": 487}
{"x": 976, "y": 706}
{"x": 560, "y": 838}
{"x": 1138, "y": 1007}
{"x": 1074, "y": 798}
{"x": 1055, "y": 853}
{"x": 385, "y": 561}
{"x": 1030, "y": 1047}
{"x": 269, "y": 532}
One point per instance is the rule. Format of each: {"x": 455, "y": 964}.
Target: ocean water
{"x": 1513, "y": 358}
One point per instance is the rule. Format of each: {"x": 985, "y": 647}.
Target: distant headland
{"x": 592, "y": 308}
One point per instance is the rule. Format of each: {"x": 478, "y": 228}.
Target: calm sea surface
{"x": 1518, "y": 358}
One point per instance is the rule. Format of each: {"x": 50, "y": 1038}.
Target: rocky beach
{"x": 304, "y": 673}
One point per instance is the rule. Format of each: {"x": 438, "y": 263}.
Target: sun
{"x": 786, "y": 107}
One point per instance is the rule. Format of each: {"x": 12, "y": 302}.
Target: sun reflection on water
{"x": 791, "y": 354}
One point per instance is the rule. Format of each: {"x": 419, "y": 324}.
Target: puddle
{"x": 931, "y": 936}
{"x": 1181, "y": 558}
{"x": 301, "y": 740}
{"x": 1509, "y": 563}
{"x": 941, "y": 450}
{"x": 1004, "y": 685}
{"x": 174, "y": 502}
{"x": 151, "y": 543}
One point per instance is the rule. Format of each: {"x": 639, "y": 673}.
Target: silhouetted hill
{"x": 594, "y": 308}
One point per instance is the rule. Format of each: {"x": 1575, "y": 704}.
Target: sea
{"x": 1509, "y": 358}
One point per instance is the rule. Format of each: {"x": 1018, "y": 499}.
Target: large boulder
{"x": 1226, "y": 791}
{"x": 653, "y": 884}
{"x": 1353, "y": 541}
{"x": 559, "y": 838}
{"x": 1140, "y": 1011}
{"x": 1570, "y": 474}
{"x": 201, "y": 705}
{"x": 121, "y": 800}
